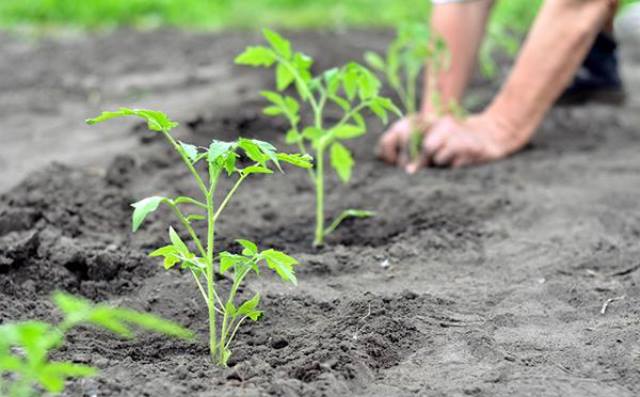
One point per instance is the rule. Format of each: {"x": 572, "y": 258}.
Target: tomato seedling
{"x": 412, "y": 49}
{"x": 25, "y": 347}
{"x": 220, "y": 158}
{"x": 352, "y": 87}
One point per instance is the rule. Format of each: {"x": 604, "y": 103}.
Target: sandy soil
{"x": 496, "y": 275}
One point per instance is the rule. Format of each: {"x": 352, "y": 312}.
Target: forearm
{"x": 461, "y": 26}
{"x": 555, "y": 48}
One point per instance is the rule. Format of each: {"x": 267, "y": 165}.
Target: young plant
{"x": 25, "y": 347}
{"x": 413, "y": 48}
{"x": 352, "y": 88}
{"x": 218, "y": 159}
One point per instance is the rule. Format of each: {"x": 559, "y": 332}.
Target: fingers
{"x": 391, "y": 147}
{"x": 432, "y": 144}
{"x": 388, "y": 147}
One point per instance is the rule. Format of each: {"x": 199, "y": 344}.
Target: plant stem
{"x": 319, "y": 236}
{"x": 209, "y": 261}
{"x": 228, "y": 197}
{"x": 187, "y": 225}
{"x": 186, "y": 161}
{"x": 225, "y": 321}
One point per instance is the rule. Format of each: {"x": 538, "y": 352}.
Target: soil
{"x": 486, "y": 281}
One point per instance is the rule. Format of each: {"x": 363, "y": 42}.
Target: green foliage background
{"x": 242, "y": 14}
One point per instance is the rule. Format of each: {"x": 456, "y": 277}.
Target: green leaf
{"x": 143, "y": 208}
{"x": 281, "y": 45}
{"x": 297, "y": 159}
{"x": 190, "y": 150}
{"x": 256, "y": 169}
{"x": 252, "y": 150}
{"x": 219, "y": 149}
{"x": 374, "y": 60}
{"x": 341, "y": 161}
{"x": 229, "y": 260}
{"x": 350, "y": 213}
{"x": 312, "y": 133}
{"x": 195, "y": 218}
{"x": 272, "y": 111}
{"x": 273, "y": 97}
{"x": 178, "y": 244}
{"x": 230, "y": 309}
{"x": 156, "y": 121}
{"x": 250, "y": 248}
{"x": 248, "y": 308}
{"x": 348, "y": 131}
{"x": 284, "y": 77}
{"x": 256, "y": 56}
{"x": 292, "y": 137}
{"x": 343, "y": 103}
{"x": 164, "y": 251}
{"x": 171, "y": 256}
{"x": 281, "y": 263}
{"x": 151, "y": 322}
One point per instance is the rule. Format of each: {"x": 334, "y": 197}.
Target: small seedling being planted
{"x": 26, "y": 368}
{"x": 412, "y": 49}
{"x": 353, "y": 88}
{"x": 219, "y": 158}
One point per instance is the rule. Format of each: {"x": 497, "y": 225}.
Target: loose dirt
{"x": 485, "y": 282}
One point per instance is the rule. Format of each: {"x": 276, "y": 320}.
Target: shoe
{"x": 598, "y": 79}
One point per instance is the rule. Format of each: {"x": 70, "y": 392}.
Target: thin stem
{"x": 189, "y": 200}
{"x": 350, "y": 113}
{"x": 225, "y": 321}
{"x": 202, "y": 292}
{"x": 209, "y": 261}
{"x": 319, "y": 236}
{"x": 186, "y": 161}
{"x": 235, "y": 330}
{"x": 301, "y": 83}
{"x": 187, "y": 225}
{"x": 228, "y": 197}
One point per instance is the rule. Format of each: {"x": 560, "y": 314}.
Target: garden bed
{"x": 486, "y": 281}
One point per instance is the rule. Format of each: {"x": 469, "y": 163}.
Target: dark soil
{"x": 484, "y": 282}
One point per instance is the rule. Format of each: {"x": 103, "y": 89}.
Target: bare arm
{"x": 462, "y": 26}
{"x": 557, "y": 44}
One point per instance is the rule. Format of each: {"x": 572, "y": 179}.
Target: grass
{"x": 209, "y": 14}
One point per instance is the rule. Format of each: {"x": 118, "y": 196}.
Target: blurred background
{"x": 63, "y": 60}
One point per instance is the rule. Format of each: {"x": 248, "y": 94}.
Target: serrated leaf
{"x": 348, "y": 131}
{"x": 341, "y": 161}
{"x": 219, "y": 149}
{"x": 143, "y": 208}
{"x": 281, "y": 263}
{"x": 248, "y": 308}
{"x": 249, "y": 247}
{"x": 252, "y": 150}
{"x": 281, "y": 45}
{"x": 256, "y": 56}
{"x": 190, "y": 150}
{"x": 229, "y": 260}
{"x": 297, "y": 159}
{"x": 164, "y": 251}
{"x": 156, "y": 121}
{"x": 284, "y": 77}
